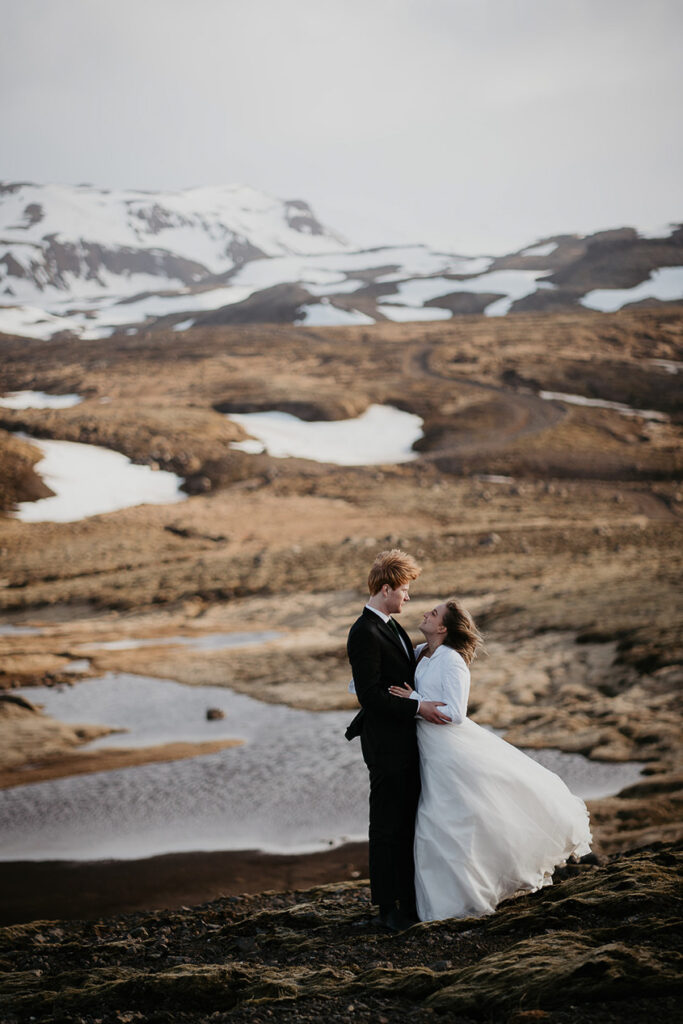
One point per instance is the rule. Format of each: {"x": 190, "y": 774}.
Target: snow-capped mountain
{"x": 91, "y": 261}
{"x": 81, "y": 240}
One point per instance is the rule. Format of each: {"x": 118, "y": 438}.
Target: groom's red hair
{"x": 395, "y": 568}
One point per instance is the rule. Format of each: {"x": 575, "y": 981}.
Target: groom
{"x": 381, "y": 655}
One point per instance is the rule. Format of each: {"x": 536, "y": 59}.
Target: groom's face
{"x": 395, "y": 599}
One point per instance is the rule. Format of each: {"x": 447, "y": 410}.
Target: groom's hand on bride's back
{"x": 429, "y": 710}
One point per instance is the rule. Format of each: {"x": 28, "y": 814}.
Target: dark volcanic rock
{"x": 280, "y": 304}
{"x": 304, "y": 410}
{"x": 89, "y": 259}
{"x": 545, "y": 301}
{"x": 464, "y": 303}
{"x": 617, "y": 259}
{"x": 300, "y": 217}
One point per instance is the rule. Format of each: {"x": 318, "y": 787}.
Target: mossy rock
{"x": 556, "y": 969}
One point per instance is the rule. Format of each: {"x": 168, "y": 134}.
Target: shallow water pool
{"x": 295, "y": 785}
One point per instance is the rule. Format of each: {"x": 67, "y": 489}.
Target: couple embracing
{"x": 459, "y": 819}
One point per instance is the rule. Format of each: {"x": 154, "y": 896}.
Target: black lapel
{"x": 408, "y": 642}
{"x": 388, "y": 631}
{"x": 410, "y": 648}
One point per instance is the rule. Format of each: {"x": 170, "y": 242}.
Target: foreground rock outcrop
{"x": 599, "y": 946}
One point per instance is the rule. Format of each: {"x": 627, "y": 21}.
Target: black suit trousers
{"x": 394, "y": 793}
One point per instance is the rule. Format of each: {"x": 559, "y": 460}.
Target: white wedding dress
{"x": 491, "y": 821}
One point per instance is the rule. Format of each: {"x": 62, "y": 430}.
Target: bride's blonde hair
{"x": 461, "y": 631}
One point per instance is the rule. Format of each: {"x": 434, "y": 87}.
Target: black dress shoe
{"x": 408, "y": 911}
{"x": 394, "y": 920}
{"x": 385, "y": 918}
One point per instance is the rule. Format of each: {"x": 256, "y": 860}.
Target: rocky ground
{"x": 559, "y": 525}
{"x": 600, "y": 947}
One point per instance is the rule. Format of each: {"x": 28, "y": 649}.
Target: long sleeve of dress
{"x": 446, "y": 678}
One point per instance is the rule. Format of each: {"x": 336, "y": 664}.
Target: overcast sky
{"x": 472, "y": 125}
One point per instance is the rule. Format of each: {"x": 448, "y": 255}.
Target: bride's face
{"x": 432, "y": 622}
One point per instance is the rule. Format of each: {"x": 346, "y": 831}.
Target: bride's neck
{"x": 433, "y": 645}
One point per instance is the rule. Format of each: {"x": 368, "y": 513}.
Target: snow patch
{"x": 89, "y": 480}
{"x": 32, "y": 322}
{"x": 665, "y": 284}
{"x": 38, "y": 400}
{"x": 407, "y": 314}
{"x": 514, "y": 284}
{"x": 325, "y": 314}
{"x": 662, "y": 231}
{"x": 250, "y": 446}
{"x": 600, "y": 403}
{"x": 668, "y": 365}
{"x": 382, "y": 435}
{"x": 419, "y": 290}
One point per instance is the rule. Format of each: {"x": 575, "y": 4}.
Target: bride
{"x": 490, "y": 821}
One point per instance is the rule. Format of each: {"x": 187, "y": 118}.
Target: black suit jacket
{"x": 386, "y": 724}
